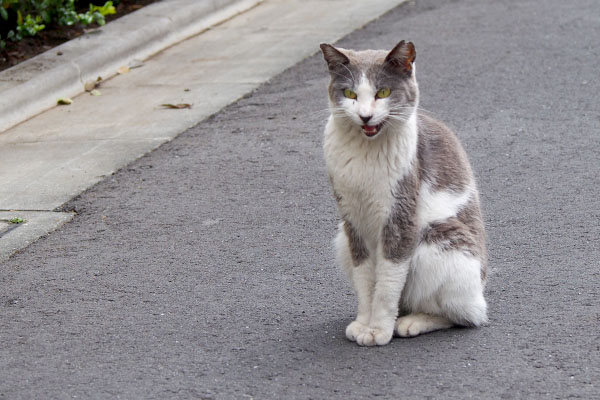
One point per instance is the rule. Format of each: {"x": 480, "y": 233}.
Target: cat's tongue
{"x": 369, "y": 130}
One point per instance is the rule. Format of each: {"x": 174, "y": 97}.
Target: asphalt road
{"x": 204, "y": 270}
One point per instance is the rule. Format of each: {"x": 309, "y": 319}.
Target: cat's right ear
{"x": 402, "y": 57}
{"x": 333, "y": 56}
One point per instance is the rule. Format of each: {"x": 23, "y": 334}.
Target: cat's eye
{"x": 383, "y": 93}
{"x": 350, "y": 94}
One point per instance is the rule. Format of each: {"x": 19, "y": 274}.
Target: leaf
{"x": 89, "y": 86}
{"x": 135, "y": 63}
{"x": 95, "y": 92}
{"x": 177, "y": 106}
{"x": 106, "y": 9}
{"x": 64, "y": 101}
{"x": 16, "y": 220}
{"x": 123, "y": 70}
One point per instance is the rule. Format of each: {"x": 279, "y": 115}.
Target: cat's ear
{"x": 402, "y": 57}
{"x": 333, "y": 56}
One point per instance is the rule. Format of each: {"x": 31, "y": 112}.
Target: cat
{"x": 411, "y": 237}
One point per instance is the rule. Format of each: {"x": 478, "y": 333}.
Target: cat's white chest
{"x": 364, "y": 175}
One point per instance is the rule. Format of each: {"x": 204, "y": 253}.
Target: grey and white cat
{"x": 411, "y": 239}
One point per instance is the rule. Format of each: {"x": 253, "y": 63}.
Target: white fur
{"x": 416, "y": 324}
{"x": 378, "y": 283}
{"x": 445, "y": 283}
{"x": 439, "y": 205}
{"x": 365, "y": 172}
{"x": 365, "y": 104}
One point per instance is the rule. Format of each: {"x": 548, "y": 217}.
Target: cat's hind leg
{"x": 361, "y": 274}
{"x": 444, "y": 288}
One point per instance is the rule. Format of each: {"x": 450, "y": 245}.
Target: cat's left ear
{"x": 402, "y": 57}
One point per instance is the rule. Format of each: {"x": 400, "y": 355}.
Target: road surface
{"x": 205, "y": 269}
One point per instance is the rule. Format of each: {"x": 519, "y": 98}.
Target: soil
{"x": 54, "y": 35}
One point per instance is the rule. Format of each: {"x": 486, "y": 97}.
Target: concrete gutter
{"x": 34, "y": 85}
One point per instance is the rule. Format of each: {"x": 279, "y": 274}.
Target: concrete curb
{"x": 34, "y": 85}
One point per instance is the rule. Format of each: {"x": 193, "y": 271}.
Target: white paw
{"x": 354, "y": 329}
{"x": 408, "y": 326}
{"x": 374, "y": 336}
{"x": 416, "y": 324}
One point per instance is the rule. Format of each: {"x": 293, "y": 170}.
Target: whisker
{"x": 351, "y": 74}
{"x": 343, "y": 76}
{"x": 400, "y": 107}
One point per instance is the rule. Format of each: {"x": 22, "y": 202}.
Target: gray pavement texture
{"x": 205, "y": 270}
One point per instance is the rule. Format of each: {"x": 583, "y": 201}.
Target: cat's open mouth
{"x": 371, "y": 130}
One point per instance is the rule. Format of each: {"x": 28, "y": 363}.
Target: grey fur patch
{"x": 443, "y": 163}
{"x": 464, "y": 233}
{"x": 358, "y": 250}
{"x": 400, "y": 232}
{"x": 471, "y": 216}
{"x": 442, "y": 160}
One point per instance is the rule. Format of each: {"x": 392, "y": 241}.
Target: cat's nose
{"x": 365, "y": 118}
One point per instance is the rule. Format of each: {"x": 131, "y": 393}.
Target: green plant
{"x": 96, "y": 14}
{"x": 22, "y": 18}
{"x": 28, "y": 27}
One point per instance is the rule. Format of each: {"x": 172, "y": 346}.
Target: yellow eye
{"x": 383, "y": 93}
{"x": 349, "y": 94}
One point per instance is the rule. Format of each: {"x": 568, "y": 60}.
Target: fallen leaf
{"x": 64, "y": 101}
{"x": 177, "y": 106}
{"x": 136, "y": 64}
{"x": 16, "y": 220}
{"x": 123, "y": 70}
{"x": 89, "y": 86}
{"x": 95, "y": 92}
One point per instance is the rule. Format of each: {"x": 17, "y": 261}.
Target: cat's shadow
{"x": 328, "y": 340}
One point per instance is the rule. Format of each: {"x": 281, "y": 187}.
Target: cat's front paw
{"x": 354, "y": 329}
{"x": 374, "y": 336}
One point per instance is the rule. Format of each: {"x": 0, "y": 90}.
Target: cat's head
{"x": 374, "y": 89}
